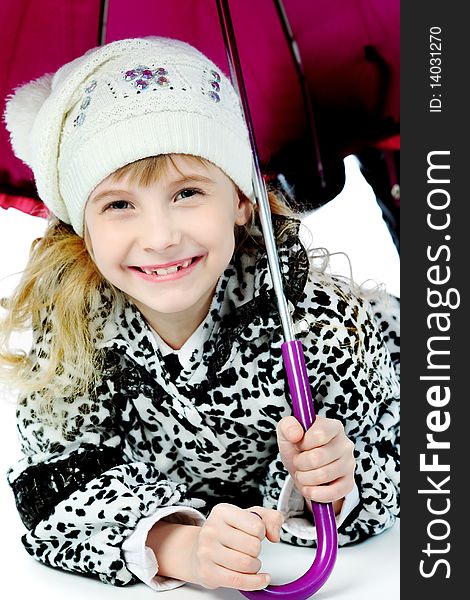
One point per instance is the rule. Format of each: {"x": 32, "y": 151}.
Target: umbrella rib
{"x": 258, "y": 182}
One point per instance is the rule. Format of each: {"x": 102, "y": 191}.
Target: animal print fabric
{"x": 141, "y": 440}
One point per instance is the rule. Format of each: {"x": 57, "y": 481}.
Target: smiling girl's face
{"x": 165, "y": 245}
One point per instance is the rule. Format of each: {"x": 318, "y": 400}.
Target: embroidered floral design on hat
{"x": 211, "y": 87}
{"x": 80, "y": 118}
{"x": 90, "y": 88}
{"x": 142, "y": 77}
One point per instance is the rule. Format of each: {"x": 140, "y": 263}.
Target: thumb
{"x": 273, "y": 520}
{"x": 289, "y": 430}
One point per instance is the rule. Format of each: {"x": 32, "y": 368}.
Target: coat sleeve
{"x": 77, "y": 491}
{"x": 354, "y": 379}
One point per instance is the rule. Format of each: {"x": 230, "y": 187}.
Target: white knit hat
{"x": 117, "y": 104}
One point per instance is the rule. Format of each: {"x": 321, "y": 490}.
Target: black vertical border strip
{"x": 433, "y": 568}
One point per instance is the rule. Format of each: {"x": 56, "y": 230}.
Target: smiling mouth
{"x": 167, "y": 270}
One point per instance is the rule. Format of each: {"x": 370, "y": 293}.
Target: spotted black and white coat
{"x": 141, "y": 441}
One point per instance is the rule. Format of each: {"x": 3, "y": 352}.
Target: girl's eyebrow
{"x": 109, "y": 194}
{"x": 192, "y": 178}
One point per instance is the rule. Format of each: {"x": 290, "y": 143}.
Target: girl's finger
{"x": 240, "y": 541}
{"x": 331, "y": 492}
{"x": 320, "y": 433}
{"x": 236, "y": 561}
{"x": 342, "y": 467}
{"x": 240, "y": 581}
{"x": 318, "y": 457}
{"x": 240, "y": 519}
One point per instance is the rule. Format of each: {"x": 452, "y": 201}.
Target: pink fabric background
{"x": 353, "y": 106}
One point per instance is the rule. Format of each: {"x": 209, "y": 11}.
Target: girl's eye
{"x": 117, "y": 205}
{"x": 187, "y": 193}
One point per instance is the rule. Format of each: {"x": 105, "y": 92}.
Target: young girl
{"x": 154, "y": 415}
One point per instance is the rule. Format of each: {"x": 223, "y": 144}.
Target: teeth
{"x": 168, "y": 270}
{"x": 172, "y": 269}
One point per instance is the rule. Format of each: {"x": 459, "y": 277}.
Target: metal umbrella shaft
{"x": 307, "y": 100}
{"x": 294, "y": 362}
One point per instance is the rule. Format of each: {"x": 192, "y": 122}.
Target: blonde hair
{"x": 60, "y": 291}
{"x": 59, "y": 288}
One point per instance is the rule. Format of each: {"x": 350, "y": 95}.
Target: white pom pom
{"x": 22, "y": 108}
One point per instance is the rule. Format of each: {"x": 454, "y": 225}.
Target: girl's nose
{"x": 158, "y": 230}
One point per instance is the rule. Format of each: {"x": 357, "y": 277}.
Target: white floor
{"x": 350, "y": 223}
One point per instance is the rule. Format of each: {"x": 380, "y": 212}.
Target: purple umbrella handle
{"x": 323, "y": 514}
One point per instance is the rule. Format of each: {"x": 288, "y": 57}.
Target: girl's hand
{"x": 321, "y": 460}
{"x": 226, "y": 548}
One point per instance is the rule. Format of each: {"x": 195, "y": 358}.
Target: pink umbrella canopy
{"x": 349, "y": 51}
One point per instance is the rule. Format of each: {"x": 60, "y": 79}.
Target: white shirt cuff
{"x": 141, "y": 560}
{"x": 292, "y": 505}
